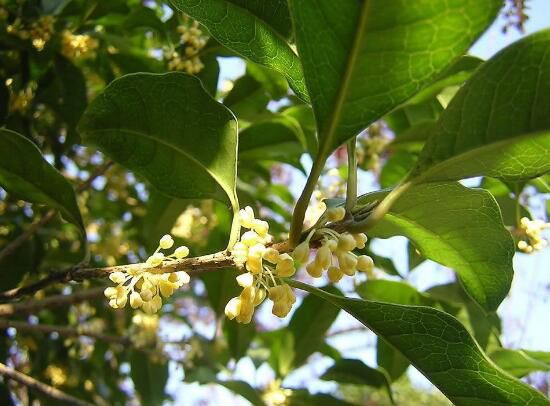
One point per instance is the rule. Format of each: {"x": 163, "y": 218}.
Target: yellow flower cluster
{"x": 193, "y": 40}
{"x": 531, "y": 230}
{"x": 334, "y": 244}
{"x": 144, "y": 330}
{"x": 77, "y": 46}
{"x": 40, "y": 31}
{"x": 22, "y": 99}
{"x": 144, "y": 285}
{"x": 265, "y": 266}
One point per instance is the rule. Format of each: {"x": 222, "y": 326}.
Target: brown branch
{"x": 193, "y": 266}
{"x": 10, "y": 248}
{"x": 38, "y": 386}
{"x": 62, "y": 331}
{"x": 52, "y": 301}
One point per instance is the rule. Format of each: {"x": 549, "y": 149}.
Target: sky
{"x": 525, "y": 312}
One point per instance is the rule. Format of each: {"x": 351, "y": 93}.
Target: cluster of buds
{"x": 40, "y": 31}
{"x": 335, "y": 245}
{"x": 371, "y": 146}
{"x": 144, "y": 284}
{"x": 193, "y": 42}
{"x": 531, "y": 232}
{"x": 144, "y": 330}
{"x": 264, "y": 267}
{"x": 77, "y": 46}
{"x": 21, "y": 100}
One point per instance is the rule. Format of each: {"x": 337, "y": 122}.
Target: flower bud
{"x": 347, "y": 262}
{"x": 285, "y": 267}
{"x": 118, "y": 277}
{"x": 346, "y": 242}
{"x": 181, "y": 252}
{"x": 323, "y": 257}
{"x": 110, "y": 292}
{"x": 261, "y": 227}
{"x": 246, "y": 217}
{"x": 301, "y": 252}
{"x": 334, "y": 274}
{"x": 166, "y": 242}
{"x": 155, "y": 259}
{"x": 245, "y": 280}
{"x": 272, "y": 255}
{"x": 146, "y": 295}
{"x": 233, "y": 308}
{"x": 166, "y": 288}
{"x": 135, "y": 300}
{"x": 360, "y": 240}
{"x": 336, "y": 213}
{"x": 260, "y": 296}
{"x": 365, "y": 263}
{"x": 250, "y": 238}
{"x": 314, "y": 270}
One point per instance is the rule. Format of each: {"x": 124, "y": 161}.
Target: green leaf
{"x": 309, "y": 325}
{"x": 521, "y": 362}
{"x": 376, "y": 54}
{"x": 353, "y": 371}
{"x": 245, "y": 390}
{"x": 498, "y": 124}
{"x": 392, "y": 292}
{"x": 169, "y": 130}
{"x": 440, "y": 348}
{"x": 278, "y": 139}
{"x": 391, "y": 360}
{"x": 301, "y": 397}
{"x": 457, "y": 227}
{"x": 149, "y": 378}
{"x": 25, "y": 172}
{"x": 255, "y": 29}
{"x": 238, "y": 336}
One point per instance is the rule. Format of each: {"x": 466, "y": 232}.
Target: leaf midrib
{"x": 175, "y": 148}
{"x": 328, "y": 138}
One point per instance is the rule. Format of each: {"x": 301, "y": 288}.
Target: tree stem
{"x": 38, "y": 386}
{"x": 351, "y": 191}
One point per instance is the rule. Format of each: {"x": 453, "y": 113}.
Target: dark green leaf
{"x": 391, "y": 360}
{"x": 245, "y": 390}
{"x": 238, "y": 336}
{"x": 440, "y": 348}
{"x": 24, "y": 172}
{"x": 376, "y": 54}
{"x": 353, "y": 371}
{"x": 168, "y": 129}
{"x": 278, "y": 139}
{"x": 458, "y": 227}
{"x": 483, "y": 133}
{"x": 250, "y": 28}
{"x": 149, "y": 378}
{"x": 309, "y": 325}
{"x": 392, "y": 292}
{"x": 304, "y": 398}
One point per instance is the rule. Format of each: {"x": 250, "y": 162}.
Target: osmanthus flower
{"x": 145, "y": 285}
{"x": 264, "y": 267}
{"x": 336, "y": 252}
{"x": 144, "y": 330}
{"x": 531, "y": 233}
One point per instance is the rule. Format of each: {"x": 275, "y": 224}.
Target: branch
{"x": 63, "y": 331}
{"x": 47, "y": 390}
{"x": 49, "y": 216}
{"x": 52, "y": 301}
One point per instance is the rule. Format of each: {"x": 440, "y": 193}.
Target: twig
{"x": 62, "y": 331}
{"x": 52, "y": 301}
{"x": 49, "y": 216}
{"x": 47, "y": 390}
